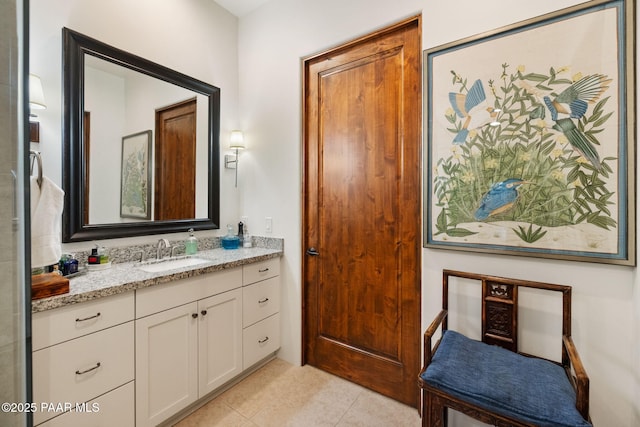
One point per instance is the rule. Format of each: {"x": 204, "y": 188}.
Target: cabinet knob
{"x": 203, "y": 312}
{"x": 194, "y": 315}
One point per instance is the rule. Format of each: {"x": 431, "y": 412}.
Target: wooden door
{"x": 361, "y": 219}
{"x": 175, "y": 162}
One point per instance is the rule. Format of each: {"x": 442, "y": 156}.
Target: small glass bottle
{"x": 191, "y": 244}
{"x": 68, "y": 264}
{"x": 72, "y": 265}
{"x": 240, "y": 232}
{"x": 230, "y": 241}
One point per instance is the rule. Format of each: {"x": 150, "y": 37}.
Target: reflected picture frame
{"x": 135, "y": 182}
{"x": 530, "y": 138}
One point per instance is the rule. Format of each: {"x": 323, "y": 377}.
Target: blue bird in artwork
{"x": 578, "y": 141}
{"x": 571, "y": 104}
{"x": 500, "y": 198}
{"x": 468, "y": 106}
{"x": 574, "y": 99}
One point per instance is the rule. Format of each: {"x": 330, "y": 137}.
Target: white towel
{"x": 47, "y": 202}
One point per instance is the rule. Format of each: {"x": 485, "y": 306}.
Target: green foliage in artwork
{"x": 134, "y": 185}
{"x": 565, "y": 180}
{"x": 529, "y": 235}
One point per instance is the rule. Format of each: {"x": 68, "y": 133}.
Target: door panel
{"x": 362, "y": 211}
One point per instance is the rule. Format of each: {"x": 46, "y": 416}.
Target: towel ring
{"x": 37, "y": 158}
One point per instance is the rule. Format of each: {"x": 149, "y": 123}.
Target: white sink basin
{"x": 170, "y": 264}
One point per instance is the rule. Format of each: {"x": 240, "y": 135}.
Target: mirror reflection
{"x": 140, "y": 147}
{"x": 130, "y": 120}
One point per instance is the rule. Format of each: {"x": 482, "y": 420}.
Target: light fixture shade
{"x": 236, "y": 140}
{"x": 36, "y": 95}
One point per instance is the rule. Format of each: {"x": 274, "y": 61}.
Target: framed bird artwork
{"x": 530, "y": 138}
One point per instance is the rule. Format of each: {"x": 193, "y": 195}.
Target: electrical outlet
{"x": 268, "y": 224}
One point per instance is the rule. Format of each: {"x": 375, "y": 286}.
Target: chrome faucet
{"x": 162, "y": 243}
{"x": 174, "y": 248}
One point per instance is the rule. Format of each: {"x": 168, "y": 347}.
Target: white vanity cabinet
{"x": 188, "y": 342}
{"x": 84, "y": 353}
{"x": 140, "y": 357}
{"x": 261, "y": 307}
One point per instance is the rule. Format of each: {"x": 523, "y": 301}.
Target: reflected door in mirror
{"x": 175, "y": 162}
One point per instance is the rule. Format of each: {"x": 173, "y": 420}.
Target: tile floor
{"x": 280, "y": 394}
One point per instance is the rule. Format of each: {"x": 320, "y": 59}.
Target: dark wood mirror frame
{"x": 74, "y": 228}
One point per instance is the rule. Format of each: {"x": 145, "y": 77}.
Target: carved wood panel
{"x": 499, "y": 314}
{"x": 499, "y": 319}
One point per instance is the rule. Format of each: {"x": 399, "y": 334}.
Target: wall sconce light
{"x": 236, "y": 142}
{"x": 36, "y": 94}
{"x": 36, "y": 102}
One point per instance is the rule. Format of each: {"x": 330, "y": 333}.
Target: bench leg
{"x": 434, "y": 413}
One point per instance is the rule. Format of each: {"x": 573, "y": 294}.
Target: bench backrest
{"x": 500, "y": 306}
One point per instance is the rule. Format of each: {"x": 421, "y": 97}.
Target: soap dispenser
{"x": 191, "y": 244}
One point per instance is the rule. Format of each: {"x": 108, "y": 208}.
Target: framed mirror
{"x": 140, "y": 149}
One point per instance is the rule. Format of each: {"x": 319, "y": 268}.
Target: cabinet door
{"x": 166, "y": 363}
{"x": 220, "y": 339}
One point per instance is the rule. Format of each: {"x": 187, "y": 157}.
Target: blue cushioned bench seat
{"x": 528, "y": 389}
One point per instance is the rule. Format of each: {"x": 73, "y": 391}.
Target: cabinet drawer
{"x": 115, "y": 408}
{"x": 155, "y": 299}
{"x": 62, "y": 324}
{"x": 260, "y": 300}
{"x": 255, "y": 272}
{"x": 260, "y": 340}
{"x": 84, "y": 368}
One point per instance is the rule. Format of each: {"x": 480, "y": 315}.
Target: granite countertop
{"x": 124, "y": 277}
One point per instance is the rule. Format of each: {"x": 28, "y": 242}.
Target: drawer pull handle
{"x": 262, "y": 301}
{"x": 264, "y": 270}
{"x": 88, "y": 318}
{"x": 88, "y": 370}
{"x": 263, "y": 340}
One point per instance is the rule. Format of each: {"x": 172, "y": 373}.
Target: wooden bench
{"x": 491, "y": 381}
